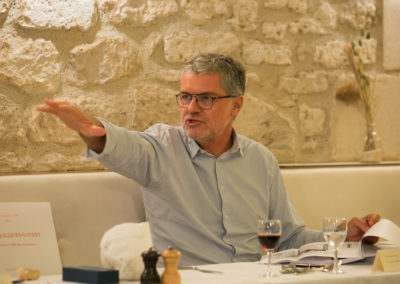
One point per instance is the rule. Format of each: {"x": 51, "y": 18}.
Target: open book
{"x": 320, "y": 254}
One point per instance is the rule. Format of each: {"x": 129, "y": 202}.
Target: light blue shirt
{"x": 204, "y": 206}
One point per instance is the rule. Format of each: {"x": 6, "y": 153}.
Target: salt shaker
{"x": 171, "y": 274}
{"x": 150, "y": 275}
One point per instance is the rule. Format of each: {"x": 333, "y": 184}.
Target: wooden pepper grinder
{"x": 150, "y": 275}
{"x": 171, "y": 274}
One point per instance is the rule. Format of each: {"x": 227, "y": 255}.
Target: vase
{"x": 372, "y": 152}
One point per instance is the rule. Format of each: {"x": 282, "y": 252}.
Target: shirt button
{"x": 221, "y": 187}
{"x": 225, "y": 216}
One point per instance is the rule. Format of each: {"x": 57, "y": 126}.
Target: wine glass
{"x": 335, "y": 232}
{"x": 269, "y": 232}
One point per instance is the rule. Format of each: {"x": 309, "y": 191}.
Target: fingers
{"x": 52, "y": 103}
{"x": 359, "y": 223}
{"x": 70, "y": 115}
{"x": 371, "y": 219}
{"x": 357, "y": 227}
{"x": 50, "y": 106}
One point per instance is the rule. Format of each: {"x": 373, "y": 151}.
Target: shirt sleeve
{"x": 135, "y": 155}
{"x": 294, "y": 231}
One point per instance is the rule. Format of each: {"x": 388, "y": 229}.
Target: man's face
{"x": 208, "y": 126}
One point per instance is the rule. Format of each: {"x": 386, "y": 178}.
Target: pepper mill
{"x": 150, "y": 275}
{"x": 171, "y": 274}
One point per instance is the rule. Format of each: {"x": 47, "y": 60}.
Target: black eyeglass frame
{"x": 177, "y": 96}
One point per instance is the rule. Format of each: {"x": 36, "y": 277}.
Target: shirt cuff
{"x": 90, "y": 155}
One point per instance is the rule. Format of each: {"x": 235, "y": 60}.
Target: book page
{"x": 318, "y": 246}
{"x": 385, "y": 229}
{"x": 287, "y": 253}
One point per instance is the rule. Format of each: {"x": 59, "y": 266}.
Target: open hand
{"x": 74, "y": 118}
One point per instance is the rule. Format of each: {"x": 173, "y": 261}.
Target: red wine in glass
{"x": 269, "y": 241}
{"x": 268, "y": 232}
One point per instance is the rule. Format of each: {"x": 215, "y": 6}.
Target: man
{"x": 204, "y": 186}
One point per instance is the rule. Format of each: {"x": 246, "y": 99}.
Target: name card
{"x": 5, "y": 279}
{"x": 28, "y": 238}
{"x": 387, "y": 260}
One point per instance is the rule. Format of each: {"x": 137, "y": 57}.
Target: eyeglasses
{"x": 204, "y": 101}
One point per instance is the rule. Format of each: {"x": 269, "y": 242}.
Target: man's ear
{"x": 237, "y": 105}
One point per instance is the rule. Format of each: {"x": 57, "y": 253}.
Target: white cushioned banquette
{"x": 86, "y": 205}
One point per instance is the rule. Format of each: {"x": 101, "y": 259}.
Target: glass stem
{"x": 335, "y": 262}
{"x": 269, "y": 254}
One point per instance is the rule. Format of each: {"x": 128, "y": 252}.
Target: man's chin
{"x": 193, "y": 133}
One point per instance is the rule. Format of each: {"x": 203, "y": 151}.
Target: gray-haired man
{"x": 204, "y": 185}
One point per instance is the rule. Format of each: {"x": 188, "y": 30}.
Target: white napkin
{"x": 121, "y": 248}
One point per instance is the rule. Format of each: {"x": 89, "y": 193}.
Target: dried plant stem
{"x": 363, "y": 82}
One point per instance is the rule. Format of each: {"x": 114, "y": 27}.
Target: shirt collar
{"x": 194, "y": 148}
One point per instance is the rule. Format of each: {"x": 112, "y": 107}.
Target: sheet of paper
{"x": 385, "y": 229}
{"x": 28, "y": 238}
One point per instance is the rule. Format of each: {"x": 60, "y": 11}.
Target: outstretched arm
{"x": 89, "y": 128}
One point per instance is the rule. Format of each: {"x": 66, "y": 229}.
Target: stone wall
{"x": 121, "y": 59}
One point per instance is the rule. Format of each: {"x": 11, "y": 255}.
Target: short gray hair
{"x": 233, "y": 74}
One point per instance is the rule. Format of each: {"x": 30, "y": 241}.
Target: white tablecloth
{"x": 250, "y": 272}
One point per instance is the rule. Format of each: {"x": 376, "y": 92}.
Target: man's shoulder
{"x": 249, "y": 145}
{"x": 164, "y": 133}
{"x": 162, "y": 128}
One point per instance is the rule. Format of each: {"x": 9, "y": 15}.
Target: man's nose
{"x": 193, "y": 105}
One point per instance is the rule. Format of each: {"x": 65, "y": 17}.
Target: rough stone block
{"x": 11, "y": 120}
{"x": 200, "y": 12}
{"x": 326, "y": 15}
{"x": 360, "y": 14}
{"x": 305, "y": 82}
{"x": 244, "y": 15}
{"x": 167, "y": 75}
{"x": 275, "y": 4}
{"x": 31, "y": 65}
{"x": 299, "y": 6}
{"x": 11, "y": 162}
{"x": 179, "y": 47}
{"x": 275, "y": 30}
{"x": 123, "y": 13}
{"x": 108, "y": 58}
{"x": 311, "y": 120}
{"x": 4, "y": 6}
{"x": 306, "y": 26}
{"x": 331, "y": 54}
{"x": 256, "y": 52}
{"x": 57, "y": 14}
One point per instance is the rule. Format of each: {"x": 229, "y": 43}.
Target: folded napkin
{"x": 121, "y": 248}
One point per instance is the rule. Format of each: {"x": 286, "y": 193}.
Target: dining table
{"x": 254, "y": 272}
